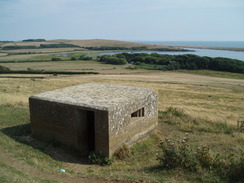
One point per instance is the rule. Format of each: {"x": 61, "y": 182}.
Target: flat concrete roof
{"x": 96, "y": 96}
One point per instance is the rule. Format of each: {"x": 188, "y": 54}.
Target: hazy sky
{"x": 133, "y": 20}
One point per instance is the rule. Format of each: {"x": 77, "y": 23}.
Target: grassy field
{"x": 72, "y": 66}
{"x": 209, "y": 105}
{"x": 215, "y": 73}
{"x": 35, "y": 54}
{"x": 202, "y": 105}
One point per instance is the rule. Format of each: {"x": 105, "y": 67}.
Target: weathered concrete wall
{"x": 68, "y": 124}
{"x": 125, "y": 129}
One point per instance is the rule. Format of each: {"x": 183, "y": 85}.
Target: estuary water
{"x": 228, "y": 44}
{"x": 201, "y": 52}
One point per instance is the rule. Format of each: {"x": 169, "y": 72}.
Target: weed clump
{"x": 179, "y": 154}
{"x": 97, "y": 158}
{"x": 122, "y": 152}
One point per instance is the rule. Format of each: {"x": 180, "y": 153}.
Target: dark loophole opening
{"x": 138, "y": 113}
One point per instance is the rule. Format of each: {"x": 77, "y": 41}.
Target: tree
{"x": 113, "y": 60}
{"x": 56, "y": 59}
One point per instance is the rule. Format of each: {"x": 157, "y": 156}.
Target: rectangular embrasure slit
{"x": 138, "y": 113}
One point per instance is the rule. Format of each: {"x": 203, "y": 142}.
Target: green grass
{"x": 174, "y": 123}
{"x": 45, "y": 56}
{"x": 141, "y": 164}
{"x": 13, "y": 115}
{"x": 14, "y": 130}
{"x": 186, "y": 123}
{"x": 214, "y": 73}
{"x": 77, "y": 54}
{"x": 78, "y": 66}
{"x": 10, "y": 174}
{"x": 15, "y": 134}
{"x": 220, "y": 74}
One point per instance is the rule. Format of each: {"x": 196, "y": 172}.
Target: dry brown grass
{"x": 198, "y": 96}
{"x": 42, "y": 50}
{"x": 27, "y": 43}
{"x": 18, "y": 57}
{"x": 101, "y": 42}
{"x": 105, "y": 42}
{"x": 75, "y": 66}
{"x": 36, "y": 54}
{"x": 87, "y": 43}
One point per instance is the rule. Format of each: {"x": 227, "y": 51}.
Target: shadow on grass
{"x": 56, "y": 150}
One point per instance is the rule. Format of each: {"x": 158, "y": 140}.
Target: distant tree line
{"x": 140, "y": 48}
{"x": 108, "y": 59}
{"x": 33, "y": 40}
{"x": 16, "y": 47}
{"x": 22, "y": 53}
{"x": 6, "y": 41}
{"x": 81, "y": 57}
{"x": 75, "y": 57}
{"x": 60, "y": 45}
{"x": 5, "y": 70}
{"x": 115, "y": 48}
{"x": 94, "y": 48}
{"x": 175, "y": 62}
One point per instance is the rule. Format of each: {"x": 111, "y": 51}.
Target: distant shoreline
{"x": 210, "y": 47}
{"x": 213, "y": 45}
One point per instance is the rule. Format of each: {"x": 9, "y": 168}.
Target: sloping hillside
{"x": 85, "y": 43}
{"x": 105, "y": 42}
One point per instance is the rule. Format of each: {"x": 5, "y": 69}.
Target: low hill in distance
{"x": 85, "y": 43}
{"x": 112, "y": 43}
{"x": 103, "y": 42}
